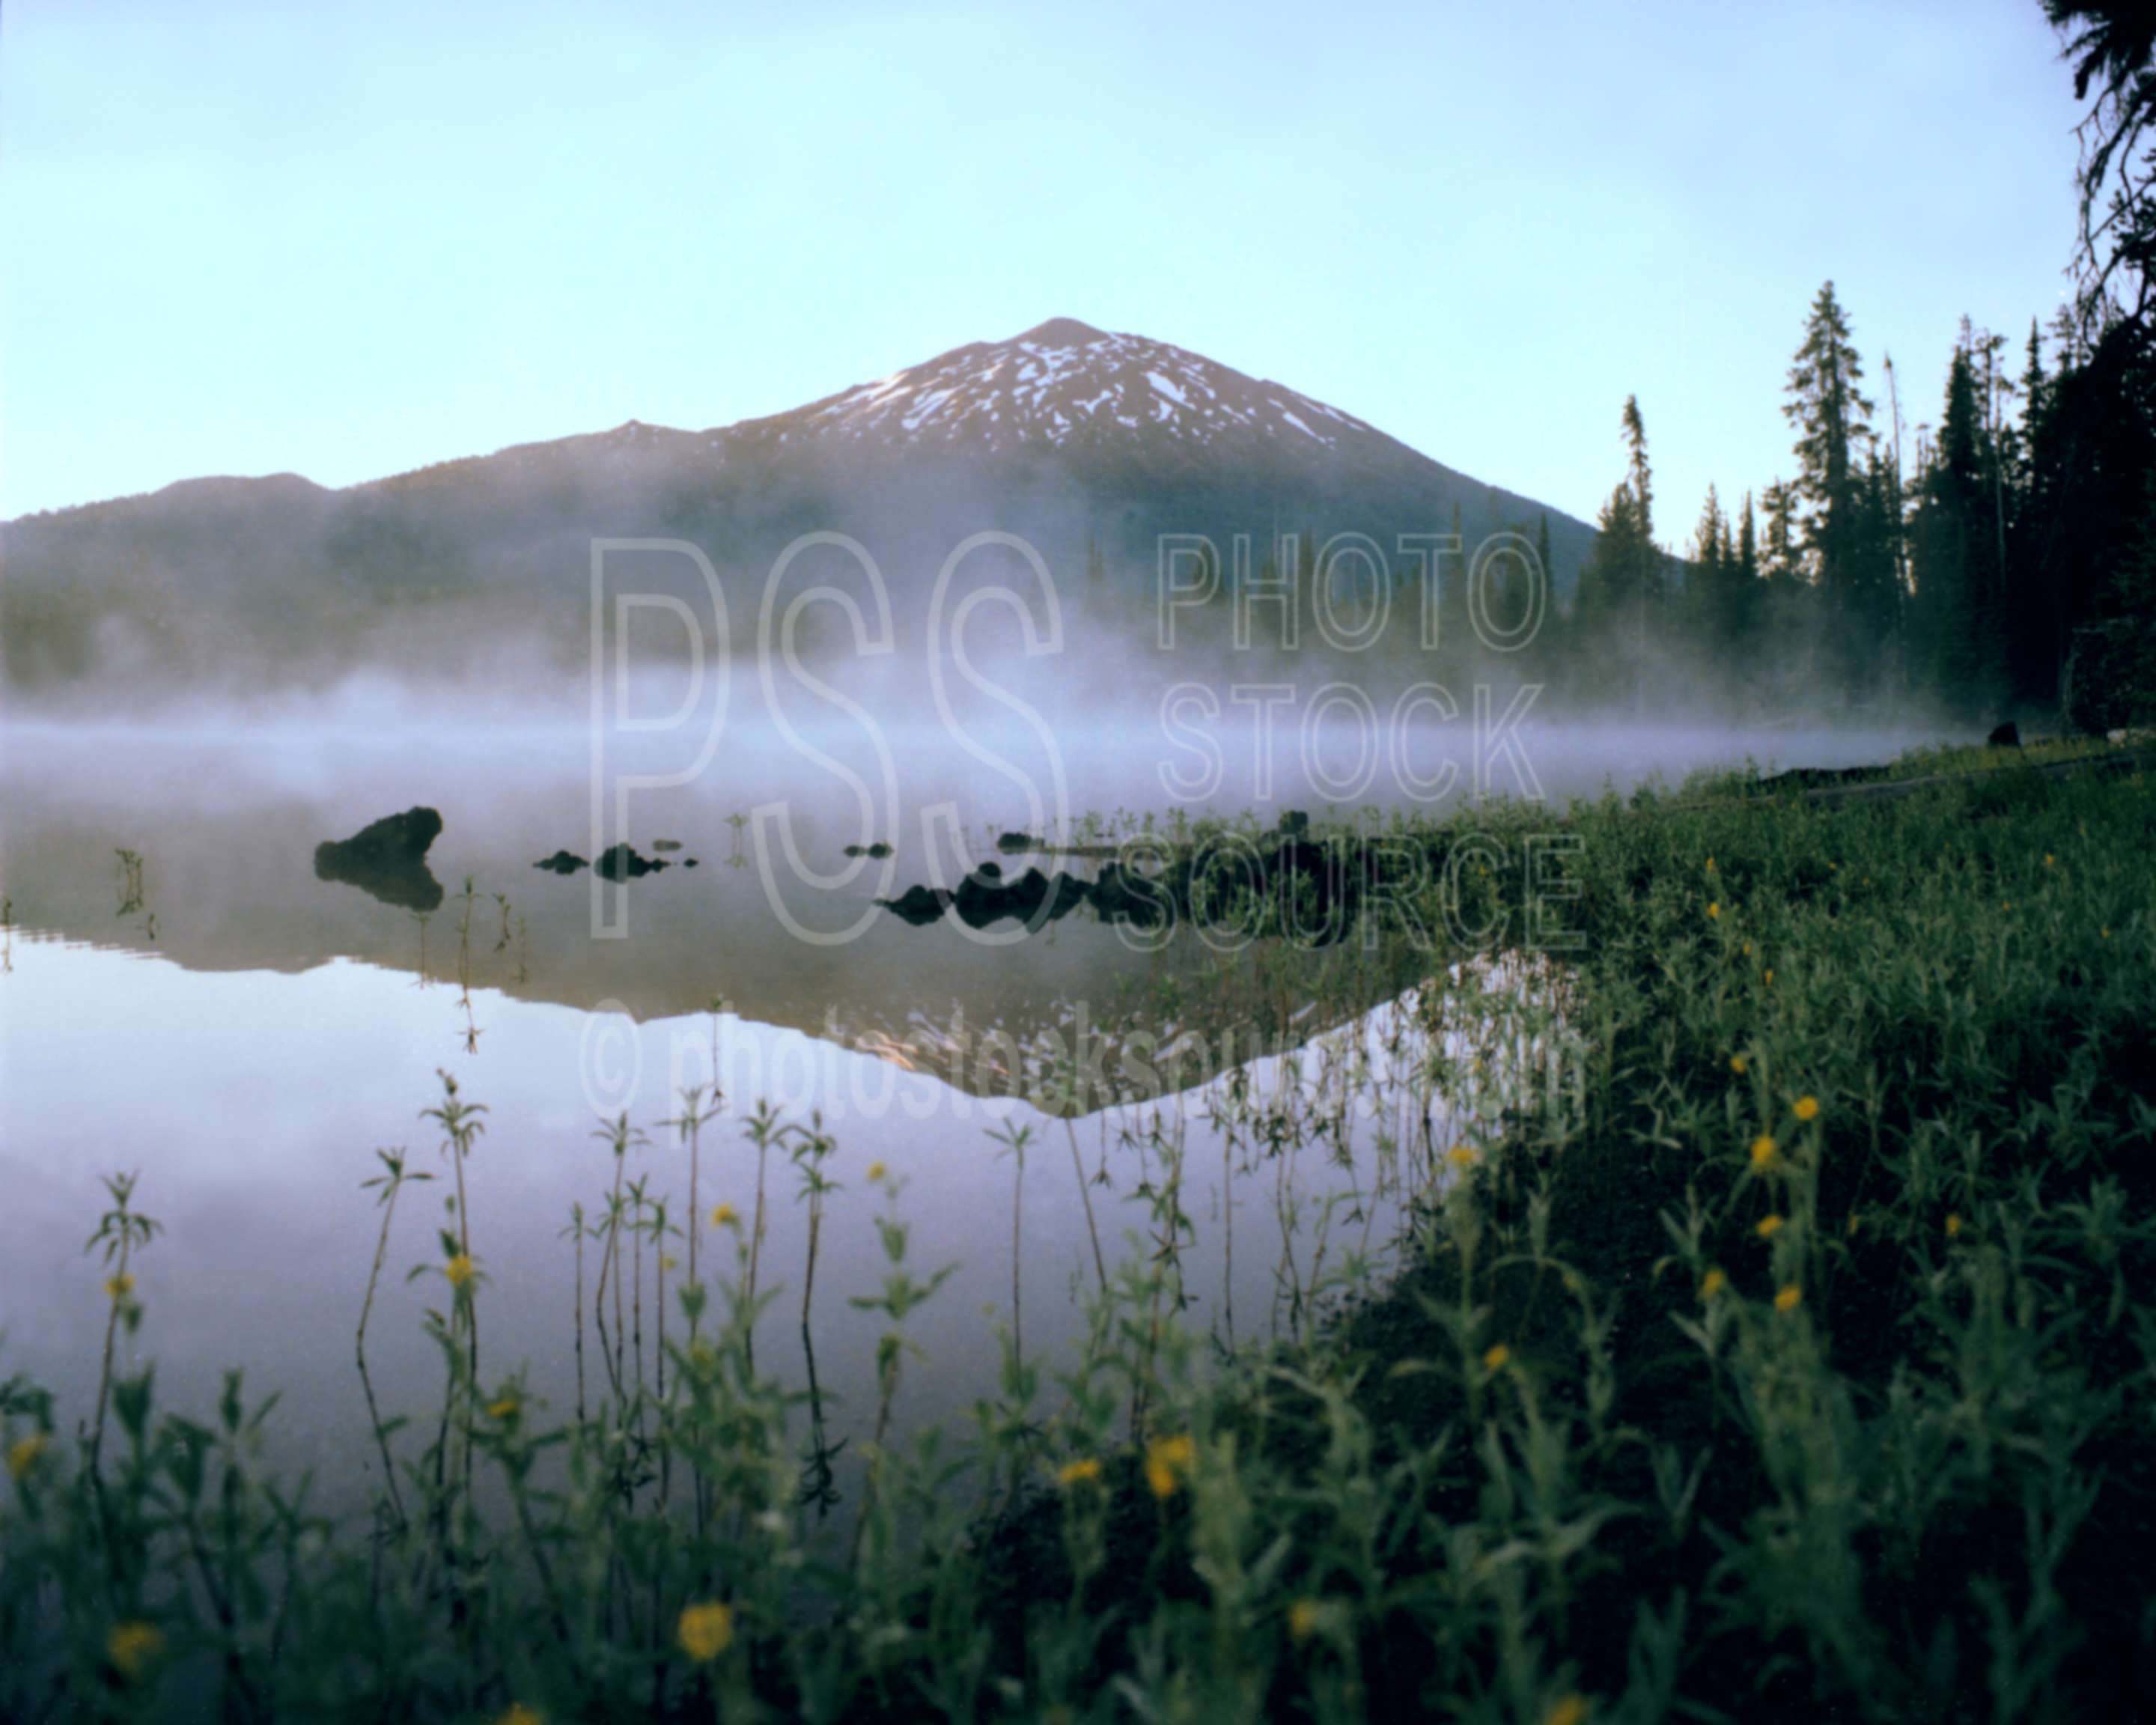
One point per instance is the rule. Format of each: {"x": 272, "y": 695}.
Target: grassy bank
{"x": 1787, "y": 1349}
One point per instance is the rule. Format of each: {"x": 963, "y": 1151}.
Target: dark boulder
{"x": 620, "y": 862}
{"x": 919, "y": 905}
{"x": 985, "y": 897}
{"x": 1122, "y": 895}
{"x": 1066, "y": 893}
{"x": 1033, "y": 899}
{"x": 2007, "y": 736}
{"x": 388, "y": 859}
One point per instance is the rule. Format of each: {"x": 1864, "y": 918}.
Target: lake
{"x": 187, "y": 997}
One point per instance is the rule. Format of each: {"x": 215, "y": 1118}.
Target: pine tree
{"x": 2113, "y": 44}
{"x": 2092, "y": 437}
{"x": 1780, "y": 501}
{"x": 1898, "y": 549}
{"x": 2032, "y": 611}
{"x": 1875, "y": 583}
{"x": 1713, "y": 529}
{"x": 1643, "y": 484}
{"x": 1705, "y": 583}
{"x": 1784, "y": 620}
{"x": 1831, "y": 416}
{"x": 1740, "y": 632}
{"x": 1957, "y": 569}
{"x": 2080, "y": 543}
{"x": 1620, "y": 590}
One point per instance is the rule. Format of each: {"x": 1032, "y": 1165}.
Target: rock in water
{"x": 620, "y": 862}
{"x": 561, "y": 862}
{"x": 2007, "y": 736}
{"x": 917, "y": 905}
{"x": 388, "y": 860}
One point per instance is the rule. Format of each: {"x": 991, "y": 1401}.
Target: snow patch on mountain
{"x": 1063, "y": 381}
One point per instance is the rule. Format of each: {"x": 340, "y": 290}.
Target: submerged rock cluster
{"x": 617, "y": 862}
{"x": 1312, "y": 888}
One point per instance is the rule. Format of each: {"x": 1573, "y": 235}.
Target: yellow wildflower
{"x": 1855, "y": 1222}
{"x": 23, "y": 1453}
{"x": 725, "y": 1215}
{"x": 1739, "y": 1064}
{"x": 1714, "y": 910}
{"x": 1789, "y": 1299}
{"x": 2103, "y": 934}
{"x": 133, "y": 1648}
{"x": 706, "y": 1630}
{"x": 1494, "y": 1360}
{"x": 1953, "y": 1224}
{"x": 1769, "y": 1227}
{"x": 1770, "y": 978}
{"x": 1461, "y": 1156}
{"x": 1168, "y": 1460}
{"x": 667, "y": 1261}
{"x": 120, "y": 1286}
{"x": 1302, "y": 1619}
{"x": 1808, "y": 1108}
{"x": 1710, "y": 866}
{"x": 1712, "y": 1283}
{"x": 876, "y": 1171}
{"x": 1084, "y": 1472}
{"x": 1762, "y": 1153}
{"x": 1566, "y": 1710}
{"x": 516, "y": 1713}
{"x": 2049, "y": 860}
{"x": 459, "y": 1271}
{"x": 505, "y": 1408}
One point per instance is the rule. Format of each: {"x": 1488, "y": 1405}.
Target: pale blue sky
{"x": 344, "y": 240}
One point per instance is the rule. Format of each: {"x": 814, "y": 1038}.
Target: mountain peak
{"x": 1064, "y": 384}
{"x": 1062, "y": 332}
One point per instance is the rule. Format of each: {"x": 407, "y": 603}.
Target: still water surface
{"x": 247, "y": 1035}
